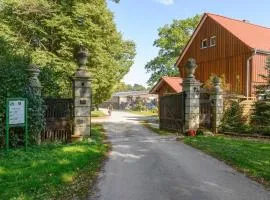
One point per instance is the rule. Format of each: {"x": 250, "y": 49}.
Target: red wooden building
{"x": 235, "y": 48}
{"x": 167, "y": 85}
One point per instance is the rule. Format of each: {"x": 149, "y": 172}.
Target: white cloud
{"x": 166, "y": 2}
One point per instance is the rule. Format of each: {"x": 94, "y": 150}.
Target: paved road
{"x": 144, "y": 166}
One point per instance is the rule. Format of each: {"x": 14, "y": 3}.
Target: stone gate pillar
{"x": 82, "y": 96}
{"x": 33, "y": 92}
{"x": 34, "y": 83}
{"x": 217, "y": 104}
{"x": 191, "y": 89}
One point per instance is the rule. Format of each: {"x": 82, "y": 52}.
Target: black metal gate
{"x": 205, "y": 111}
{"x": 172, "y": 112}
{"x": 59, "y": 120}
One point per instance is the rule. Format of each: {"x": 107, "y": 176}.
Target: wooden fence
{"x": 172, "y": 112}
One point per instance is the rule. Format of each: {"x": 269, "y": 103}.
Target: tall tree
{"x": 49, "y": 30}
{"x": 138, "y": 87}
{"x": 122, "y": 87}
{"x": 172, "y": 40}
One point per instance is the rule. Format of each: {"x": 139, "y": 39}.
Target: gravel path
{"x": 144, "y": 166}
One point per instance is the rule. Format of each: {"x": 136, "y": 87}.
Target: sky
{"x": 139, "y": 20}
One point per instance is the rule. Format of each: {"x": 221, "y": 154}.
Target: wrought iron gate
{"x": 205, "y": 110}
{"x": 172, "y": 112}
{"x": 59, "y": 120}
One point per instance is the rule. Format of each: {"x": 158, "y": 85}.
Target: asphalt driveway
{"x": 145, "y": 166}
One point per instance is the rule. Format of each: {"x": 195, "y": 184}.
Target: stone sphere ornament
{"x": 190, "y": 67}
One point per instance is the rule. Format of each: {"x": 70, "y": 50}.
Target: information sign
{"x": 16, "y": 116}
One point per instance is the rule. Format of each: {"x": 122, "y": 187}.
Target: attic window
{"x": 204, "y": 43}
{"x": 213, "y": 41}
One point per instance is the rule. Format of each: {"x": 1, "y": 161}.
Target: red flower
{"x": 191, "y": 133}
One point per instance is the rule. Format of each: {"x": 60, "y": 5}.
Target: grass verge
{"x": 97, "y": 113}
{"x": 54, "y": 171}
{"x": 245, "y": 155}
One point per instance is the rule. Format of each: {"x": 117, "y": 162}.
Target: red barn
{"x": 235, "y": 48}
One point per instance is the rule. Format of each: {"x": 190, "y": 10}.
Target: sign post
{"x": 16, "y": 116}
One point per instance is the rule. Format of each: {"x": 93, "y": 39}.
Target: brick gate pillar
{"x": 82, "y": 96}
{"x": 217, "y": 104}
{"x": 191, "y": 89}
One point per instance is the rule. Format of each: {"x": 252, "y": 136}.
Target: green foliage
{"x": 53, "y": 171}
{"x": 49, "y": 30}
{"x": 261, "y": 117}
{"x": 171, "y": 42}
{"x": 13, "y": 64}
{"x": 233, "y": 120}
{"x": 122, "y": 87}
{"x": 139, "y": 106}
{"x": 264, "y": 89}
{"x": 97, "y": 113}
{"x": 209, "y": 86}
{"x": 36, "y": 115}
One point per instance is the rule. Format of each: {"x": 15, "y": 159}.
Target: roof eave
{"x": 262, "y": 51}
{"x": 191, "y": 40}
{"x": 156, "y": 86}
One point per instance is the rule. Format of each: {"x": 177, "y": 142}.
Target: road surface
{"x": 145, "y": 166}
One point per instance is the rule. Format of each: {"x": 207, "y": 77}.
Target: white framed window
{"x": 204, "y": 43}
{"x": 213, "y": 41}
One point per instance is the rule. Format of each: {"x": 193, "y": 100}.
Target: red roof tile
{"x": 174, "y": 82}
{"x": 254, "y": 36}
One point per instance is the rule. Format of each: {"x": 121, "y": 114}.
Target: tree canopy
{"x": 48, "y": 31}
{"x": 123, "y": 87}
{"x": 172, "y": 40}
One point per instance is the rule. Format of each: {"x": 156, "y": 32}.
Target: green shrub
{"x": 200, "y": 132}
{"x": 233, "y": 120}
{"x": 139, "y": 106}
{"x": 13, "y": 76}
{"x": 261, "y": 117}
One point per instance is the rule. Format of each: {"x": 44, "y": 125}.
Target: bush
{"x": 260, "y": 120}
{"x": 13, "y": 78}
{"x": 233, "y": 120}
{"x": 139, "y": 106}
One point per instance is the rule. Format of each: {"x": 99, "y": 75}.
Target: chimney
{"x": 245, "y": 21}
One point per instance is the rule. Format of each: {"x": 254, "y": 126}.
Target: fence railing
{"x": 59, "y": 120}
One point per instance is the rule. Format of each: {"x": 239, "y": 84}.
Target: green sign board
{"x": 16, "y": 116}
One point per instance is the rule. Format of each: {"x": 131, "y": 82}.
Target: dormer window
{"x": 213, "y": 41}
{"x": 204, "y": 43}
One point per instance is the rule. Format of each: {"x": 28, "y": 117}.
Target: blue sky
{"x": 138, "y": 20}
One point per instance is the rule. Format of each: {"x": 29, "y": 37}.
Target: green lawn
{"x": 144, "y": 113}
{"x": 97, "y": 113}
{"x": 52, "y": 171}
{"x": 248, "y": 156}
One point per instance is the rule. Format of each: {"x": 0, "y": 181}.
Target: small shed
{"x": 167, "y": 85}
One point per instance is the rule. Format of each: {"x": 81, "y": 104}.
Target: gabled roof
{"x": 254, "y": 36}
{"x": 173, "y": 82}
